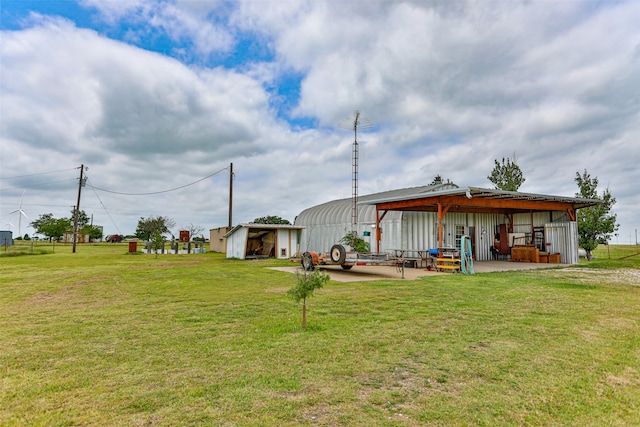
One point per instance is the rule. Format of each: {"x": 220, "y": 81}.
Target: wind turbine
{"x": 20, "y": 214}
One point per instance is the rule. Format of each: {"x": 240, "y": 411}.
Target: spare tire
{"x": 307, "y": 262}
{"x": 338, "y": 254}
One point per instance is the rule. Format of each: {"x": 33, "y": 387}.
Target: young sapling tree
{"x": 306, "y": 284}
{"x": 156, "y": 242}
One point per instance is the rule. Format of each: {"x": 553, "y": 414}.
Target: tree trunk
{"x": 304, "y": 315}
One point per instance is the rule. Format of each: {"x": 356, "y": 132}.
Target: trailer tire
{"x": 338, "y": 254}
{"x": 307, "y": 262}
{"x": 346, "y": 266}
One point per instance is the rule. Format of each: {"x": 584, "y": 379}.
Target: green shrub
{"x": 356, "y": 243}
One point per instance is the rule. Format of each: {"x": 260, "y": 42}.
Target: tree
{"x": 271, "y": 219}
{"x": 596, "y": 223}
{"x": 94, "y": 232}
{"x": 148, "y": 226}
{"x": 306, "y": 283}
{"x": 52, "y": 228}
{"x": 156, "y": 241}
{"x": 357, "y": 244}
{"x": 83, "y": 218}
{"x": 194, "y": 230}
{"x": 507, "y": 175}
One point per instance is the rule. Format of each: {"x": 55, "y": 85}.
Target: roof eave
{"x": 470, "y": 192}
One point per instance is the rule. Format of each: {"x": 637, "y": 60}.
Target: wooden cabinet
{"x": 532, "y": 254}
{"x": 554, "y": 258}
{"x": 525, "y": 254}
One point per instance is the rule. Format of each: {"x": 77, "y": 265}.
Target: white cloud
{"x": 450, "y": 85}
{"x": 180, "y": 20}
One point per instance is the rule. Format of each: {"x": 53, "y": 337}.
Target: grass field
{"x": 102, "y": 337}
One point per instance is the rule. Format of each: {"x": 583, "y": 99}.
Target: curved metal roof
{"x": 339, "y": 211}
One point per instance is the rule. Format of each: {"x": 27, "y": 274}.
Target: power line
{"x": 37, "y": 185}
{"x": 105, "y": 208}
{"x": 36, "y": 174}
{"x": 158, "y": 192}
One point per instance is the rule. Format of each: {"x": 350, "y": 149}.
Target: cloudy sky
{"x": 160, "y": 95}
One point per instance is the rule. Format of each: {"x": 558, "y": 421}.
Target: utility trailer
{"x": 441, "y": 259}
{"x": 338, "y": 255}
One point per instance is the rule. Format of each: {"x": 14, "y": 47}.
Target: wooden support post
{"x": 378, "y": 236}
{"x": 378, "y": 229}
{"x": 533, "y": 231}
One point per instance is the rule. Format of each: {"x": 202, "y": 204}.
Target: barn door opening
{"x": 261, "y": 243}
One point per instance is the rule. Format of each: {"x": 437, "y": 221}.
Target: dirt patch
{"x": 48, "y": 298}
{"x": 627, "y": 378}
{"x": 621, "y": 276}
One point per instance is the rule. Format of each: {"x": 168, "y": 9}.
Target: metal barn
{"x": 255, "y": 241}
{"x": 437, "y": 216}
{"x": 325, "y": 224}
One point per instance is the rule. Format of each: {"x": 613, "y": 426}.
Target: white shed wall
{"x": 236, "y": 243}
{"x": 287, "y": 243}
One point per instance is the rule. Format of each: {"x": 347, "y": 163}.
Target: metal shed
{"x": 6, "y": 238}
{"x": 255, "y": 241}
{"x": 435, "y": 216}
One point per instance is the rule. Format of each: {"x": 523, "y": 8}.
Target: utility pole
{"x": 77, "y": 211}
{"x": 230, "y": 195}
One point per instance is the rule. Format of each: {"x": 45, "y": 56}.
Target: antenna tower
{"x": 356, "y": 122}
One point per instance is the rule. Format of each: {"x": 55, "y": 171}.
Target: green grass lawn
{"x": 102, "y": 337}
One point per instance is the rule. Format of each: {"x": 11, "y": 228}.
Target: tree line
{"x": 54, "y": 228}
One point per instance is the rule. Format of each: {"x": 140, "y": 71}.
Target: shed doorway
{"x": 261, "y": 243}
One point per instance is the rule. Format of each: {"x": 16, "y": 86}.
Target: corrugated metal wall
{"x": 486, "y": 225}
{"x": 326, "y": 224}
{"x": 562, "y": 237}
{"x": 417, "y": 231}
{"x": 522, "y": 221}
{"x": 420, "y": 230}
